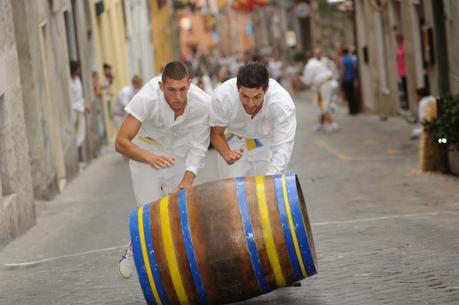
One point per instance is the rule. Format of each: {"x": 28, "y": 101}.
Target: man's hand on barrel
{"x": 181, "y": 186}
{"x": 158, "y": 161}
{"x": 233, "y": 155}
{"x": 187, "y": 181}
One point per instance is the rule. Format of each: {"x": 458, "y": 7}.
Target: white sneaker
{"x": 126, "y": 264}
{"x": 331, "y": 127}
{"x": 334, "y": 126}
{"x": 318, "y": 127}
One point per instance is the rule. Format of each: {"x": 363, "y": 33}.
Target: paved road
{"x": 384, "y": 233}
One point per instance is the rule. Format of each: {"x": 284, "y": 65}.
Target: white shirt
{"x": 275, "y": 67}
{"x": 185, "y": 137}
{"x": 423, "y": 104}
{"x": 76, "y": 91}
{"x": 77, "y": 99}
{"x": 122, "y": 99}
{"x": 330, "y": 64}
{"x": 315, "y": 72}
{"x": 274, "y": 124}
{"x": 206, "y": 82}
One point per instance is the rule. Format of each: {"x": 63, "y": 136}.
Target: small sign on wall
{"x": 447, "y": 10}
{"x": 428, "y": 46}
{"x": 290, "y": 38}
{"x": 301, "y": 10}
{"x": 100, "y": 7}
{"x": 161, "y": 3}
{"x": 59, "y": 5}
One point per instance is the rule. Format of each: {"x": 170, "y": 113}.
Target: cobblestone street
{"x": 384, "y": 233}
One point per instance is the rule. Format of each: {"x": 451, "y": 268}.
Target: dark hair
{"x": 253, "y": 75}
{"x": 345, "y": 51}
{"x": 423, "y": 92}
{"x": 74, "y": 66}
{"x": 174, "y": 70}
{"x": 107, "y": 66}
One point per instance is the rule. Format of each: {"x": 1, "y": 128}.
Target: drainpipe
{"x": 441, "y": 47}
{"x": 359, "y": 94}
{"x": 441, "y": 57}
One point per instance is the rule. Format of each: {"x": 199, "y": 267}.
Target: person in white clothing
{"x": 425, "y": 100}
{"x": 79, "y": 107}
{"x": 166, "y": 129}
{"x": 123, "y": 97}
{"x": 275, "y": 67}
{"x": 331, "y": 65}
{"x": 165, "y": 136}
{"x": 253, "y": 124}
{"x": 317, "y": 76}
{"x": 203, "y": 81}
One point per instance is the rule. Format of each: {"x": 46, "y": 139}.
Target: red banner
{"x": 248, "y": 5}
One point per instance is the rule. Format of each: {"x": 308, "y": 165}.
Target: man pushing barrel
{"x": 165, "y": 136}
{"x": 253, "y": 124}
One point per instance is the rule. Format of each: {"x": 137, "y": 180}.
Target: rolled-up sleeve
{"x": 196, "y": 157}
{"x": 143, "y": 103}
{"x": 219, "y": 114}
{"x": 283, "y": 141}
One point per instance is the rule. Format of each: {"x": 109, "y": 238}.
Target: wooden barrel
{"x": 223, "y": 241}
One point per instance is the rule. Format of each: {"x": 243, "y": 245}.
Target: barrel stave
{"x": 279, "y": 239}
{"x": 304, "y": 212}
{"x": 159, "y": 230}
{"x": 226, "y": 269}
{"x": 179, "y": 246}
{"x": 285, "y": 271}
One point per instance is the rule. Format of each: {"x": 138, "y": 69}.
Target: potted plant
{"x": 445, "y": 129}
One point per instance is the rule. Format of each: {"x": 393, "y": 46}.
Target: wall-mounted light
{"x": 185, "y": 23}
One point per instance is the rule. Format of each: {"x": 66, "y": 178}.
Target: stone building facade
{"x": 38, "y": 39}
{"x": 48, "y": 35}
{"x": 430, "y": 32}
{"x": 442, "y": 20}
{"x": 140, "y": 48}
{"x": 17, "y": 209}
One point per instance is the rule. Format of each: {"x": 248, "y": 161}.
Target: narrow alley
{"x": 384, "y": 233}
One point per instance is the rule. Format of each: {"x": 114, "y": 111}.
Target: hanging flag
{"x": 248, "y": 5}
{"x": 261, "y": 3}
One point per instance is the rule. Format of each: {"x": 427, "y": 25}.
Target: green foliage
{"x": 446, "y": 126}
{"x": 298, "y": 55}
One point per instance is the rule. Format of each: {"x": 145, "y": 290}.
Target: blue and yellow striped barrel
{"x": 223, "y": 241}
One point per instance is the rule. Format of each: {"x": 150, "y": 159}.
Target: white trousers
{"x": 254, "y": 162}
{"x": 151, "y": 184}
{"x": 328, "y": 92}
{"x": 80, "y": 127}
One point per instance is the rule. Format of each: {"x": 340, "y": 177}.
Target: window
{"x": 381, "y": 58}
{"x": 70, "y": 30}
{"x": 5, "y": 166}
